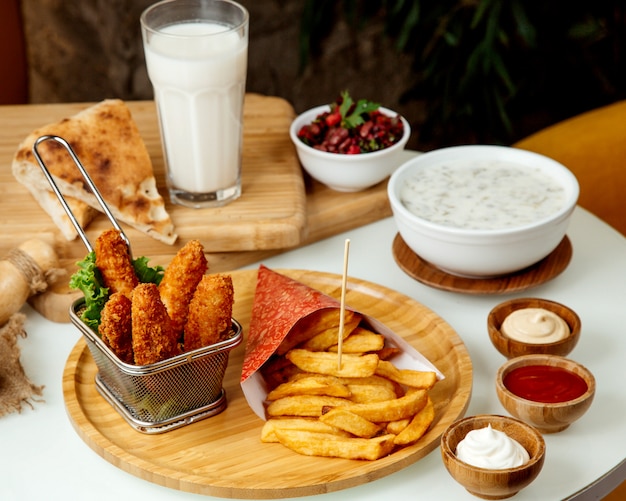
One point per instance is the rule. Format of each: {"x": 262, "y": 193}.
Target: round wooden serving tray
{"x": 539, "y": 273}
{"x": 223, "y": 455}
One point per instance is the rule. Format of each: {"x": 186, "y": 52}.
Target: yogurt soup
{"x": 482, "y": 195}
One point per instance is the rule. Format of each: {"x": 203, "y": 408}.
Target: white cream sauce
{"x": 482, "y": 195}
{"x": 491, "y": 449}
{"x": 535, "y": 326}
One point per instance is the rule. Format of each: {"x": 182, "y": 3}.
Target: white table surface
{"x": 42, "y": 457}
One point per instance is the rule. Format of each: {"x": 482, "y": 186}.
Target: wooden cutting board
{"x": 223, "y": 455}
{"x": 270, "y": 214}
{"x": 251, "y": 229}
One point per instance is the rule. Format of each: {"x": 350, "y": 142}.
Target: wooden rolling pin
{"x": 25, "y": 272}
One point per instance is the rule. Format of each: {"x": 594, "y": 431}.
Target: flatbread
{"x": 50, "y": 203}
{"x": 106, "y": 140}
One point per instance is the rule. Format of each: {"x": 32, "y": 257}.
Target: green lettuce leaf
{"x": 147, "y": 274}
{"x": 88, "y": 280}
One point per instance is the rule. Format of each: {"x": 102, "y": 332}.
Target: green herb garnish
{"x": 351, "y": 114}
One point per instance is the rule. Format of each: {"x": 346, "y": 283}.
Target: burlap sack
{"x": 15, "y": 388}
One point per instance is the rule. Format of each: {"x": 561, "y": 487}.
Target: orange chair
{"x": 593, "y": 146}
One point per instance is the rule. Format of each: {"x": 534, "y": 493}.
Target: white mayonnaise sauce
{"x": 535, "y": 326}
{"x": 491, "y": 449}
{"x": 482, "y": 195}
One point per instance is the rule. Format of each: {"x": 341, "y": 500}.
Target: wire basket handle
{"x": 92, "y": 187}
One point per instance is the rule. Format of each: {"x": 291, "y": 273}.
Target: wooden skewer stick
{"x": 342, "y": 307}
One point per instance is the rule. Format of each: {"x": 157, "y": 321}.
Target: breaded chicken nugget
{"x": 114, "y": 262}
{"x": 116, "y": 326}
{"x": 180, "y": 280}
{"x": 154, "y": 338}
{"x": 210, "y": 312}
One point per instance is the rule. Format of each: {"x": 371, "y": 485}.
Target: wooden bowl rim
{"x": 494, "y": 323}
{"x": 489, "y": 418}
{"x": 551, "y": 360}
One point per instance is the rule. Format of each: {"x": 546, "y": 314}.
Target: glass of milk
{"x": 196, "y": 55}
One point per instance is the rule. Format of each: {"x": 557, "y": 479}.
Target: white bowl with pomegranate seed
{"x": 347, "y": 172}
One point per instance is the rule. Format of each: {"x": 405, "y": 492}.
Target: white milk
{"x": 199, "y": 85}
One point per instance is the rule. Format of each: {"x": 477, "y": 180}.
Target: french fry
{"x": 388, "y": 352}
{"x": 326, "y": 363}
{"x": 362, "y": 409}
{"x": 392, "y": 410}
{"x": 407, "y": 377}
{"x": 311, "y": 384}
{"x": 303, "y": 405}
{"x": 278, "y": 370}
{"x": 350, "y": 422}
{"x": 396, "y": 427}
{"x": 418, "y": 425}
{"x": 327, "y": 445}
{"x": 310, "y": 326}
{"x": 327, "y": 338}
{"x": 360, "y": 340}
{"x": 268, "y": 434}
{"x": 364, "y": 393}
{"x": 369, "y": 380}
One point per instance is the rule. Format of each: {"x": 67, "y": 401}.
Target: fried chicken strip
{"x": 116, "y": 326}
{"x": 210, "y": 312}
{"x": 154, "y": 338}
{"x": 180, "y": 280}
{"x": 114, "y": 262}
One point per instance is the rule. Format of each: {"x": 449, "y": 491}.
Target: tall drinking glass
{"x": 196, "y": 55}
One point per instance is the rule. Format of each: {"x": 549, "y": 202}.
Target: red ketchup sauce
{"x": 543, "y": 383}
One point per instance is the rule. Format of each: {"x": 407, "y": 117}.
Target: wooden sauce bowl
{"x": 546, "y": 417}
{"x": 487, "y": 483}
{"x": 512, "y": 348}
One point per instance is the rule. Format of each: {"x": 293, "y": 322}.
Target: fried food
{"x": 350, "y": 422}
{"x": 144, "y": 323}
{"x": 407, "y": 377}
{"x": 365, "y": 409}
{"x": 114, "y": 262}
{"x": 323, "y": 362}
{"x": 372, "y": 392}
{"x": 268, "y": 433}
{"x": 418, "y": 425}
{"x": 180, "y": 280}
{"x": 304, "y": 405}
{"x": 311, "y": 384}
{"x": 312, "y": 325}
{"x": 277, "y": 370}
{"x": 328, "y": 337}
{"x": 392, "y": 410}
{"x": 210, "y": 312}
{"x": 115, "y": 327}
{"x": 360, "y": 340}
{"x": 396, "y": 427}
{"x": 329, "y": 445}
{"x": 154, "y": 337}
{"x": 388, "y": 352}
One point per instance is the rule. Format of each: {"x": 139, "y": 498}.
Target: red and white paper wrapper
{"x": 279, "y": 303}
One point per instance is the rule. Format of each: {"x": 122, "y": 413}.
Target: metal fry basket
{"x": 165, "y": 395}
{"x": 158, "y": 397}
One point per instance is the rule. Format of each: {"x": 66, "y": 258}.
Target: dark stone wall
{"x": 87, "y": 50}
{"x": 90, "y": 50}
